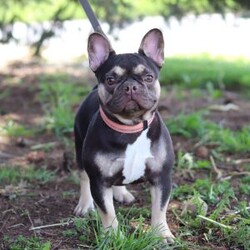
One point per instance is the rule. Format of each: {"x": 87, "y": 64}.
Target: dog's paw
{"x": 168, "y": 237}
{"x": 121, "y": 194}
{"x": 83, "y": 208}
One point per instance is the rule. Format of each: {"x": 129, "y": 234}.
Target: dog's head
{"x": 128, "y": 83}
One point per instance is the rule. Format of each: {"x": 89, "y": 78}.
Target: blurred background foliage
{"x": 115, "y": 12}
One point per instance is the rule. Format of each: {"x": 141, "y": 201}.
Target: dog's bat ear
{"x": 99, "y": 49}
{"x": 152, "y": 45}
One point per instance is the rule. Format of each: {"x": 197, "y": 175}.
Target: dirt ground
{"x": 36, "y": 204}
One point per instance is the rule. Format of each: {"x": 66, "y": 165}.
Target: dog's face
{"x": 128, "y": 83}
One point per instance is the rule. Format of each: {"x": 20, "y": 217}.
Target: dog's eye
{"x": 110, "y": 80}
{"x": 148, "y": 78}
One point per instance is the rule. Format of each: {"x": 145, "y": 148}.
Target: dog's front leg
{"x": 103, "y": 197}
{"x": 160, "y": 199}
{"x": 85, "y": 203}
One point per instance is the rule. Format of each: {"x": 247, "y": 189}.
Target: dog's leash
{"x": 91, "y": 16}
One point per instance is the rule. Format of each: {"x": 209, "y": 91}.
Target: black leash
{"x": 91, "y": 16}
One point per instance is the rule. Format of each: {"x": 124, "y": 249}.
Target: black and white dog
{"x": 120, "y": 137}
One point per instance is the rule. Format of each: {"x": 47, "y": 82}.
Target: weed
{"x": 13, "y": 129}
{"x": 132, "y": 233}
{"x": 69, "y": 233}
{"x": 244, "y": 210}
{"x": 182, "y": 192}
{"x": 185, "y": 160}
{"x": 14, "y": 175}
{"x": 196, "y": 126}
{"x": 133, "y": 211}
{"x": 244, "y": 187}
{"x": 239, "y": 237}
{"x": 60, "y": 119}
{"x": 191, "y": 125}
{"x": 202, "y": 164}
{"x": 232, "y": 141}
{"x": 57, "y": 100}
{"x": 140, "y": 238}
{"x": 212, "y": 91}
{"x": 32, "y": 243}
{"x": 218, "y": 196}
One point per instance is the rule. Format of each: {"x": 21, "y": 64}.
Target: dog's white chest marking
{"x": 136, "y": 155}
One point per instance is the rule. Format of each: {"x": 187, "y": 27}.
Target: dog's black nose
{"x": 131, "y": 88}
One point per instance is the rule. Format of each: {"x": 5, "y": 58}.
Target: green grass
{"x": 13, "y": 129}
{"x": 132, "y": 233}
{"x": 197, "y": 127}
{"x": 32, "y": 243}
{"x": 190, "y": 125}
{"x": 232, "y": 141}
{"x": 244, "y": 187}
{"x": 58, "y": 97}
{"x": 200, "y": 71}
{"x": 14, "y": 175}
{"x": 96, "y": 238}
{"x": 212, "y": 212}
{"x": 208, "y": 209}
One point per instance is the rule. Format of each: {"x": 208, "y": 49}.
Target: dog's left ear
{"x": 152, "y": 45}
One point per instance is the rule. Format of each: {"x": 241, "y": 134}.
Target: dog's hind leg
{"x": 85, "y": 203}
{"x": 121, "y": 194}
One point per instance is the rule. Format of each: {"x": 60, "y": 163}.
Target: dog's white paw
{"x": 166, "y": 234}
{"x": 168, "y": 237}
{"x": 121, "y": 194}
{"x": 83, "y": 208}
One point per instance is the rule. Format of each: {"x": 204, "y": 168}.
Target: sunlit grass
{"x": 202, "y": 70}
{"x": 14, "y": 129}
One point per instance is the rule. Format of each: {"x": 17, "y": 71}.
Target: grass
{"x": 199, "y": 71}
{"x": 134, "y": 232}
{"x": 14, "y": 175}
{"x": 196, "y": 126}
{"x": 211, "y": 207}
{"x": 212, "y": 212}
{"x": 58, "y": 100}
{"x": 208, "y": 208}
{"x": 32, "y": 243}
{"x": 90, "y": 234}
{"x": 232, "y": 141}
{"x": 190, "y": 125}
{"x": 13, "y": 129}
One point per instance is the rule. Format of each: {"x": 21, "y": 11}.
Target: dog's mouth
{"x": 131, "y": 106}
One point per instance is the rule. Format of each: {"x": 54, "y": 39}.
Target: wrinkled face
{"x": 128, "y": 85}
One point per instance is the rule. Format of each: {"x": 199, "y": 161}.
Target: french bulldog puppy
{"x": 120, "y": 137}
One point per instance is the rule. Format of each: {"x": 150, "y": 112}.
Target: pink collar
{"x": 127, "y": 129}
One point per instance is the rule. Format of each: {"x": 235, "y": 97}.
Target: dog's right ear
{"x": 99, "y": 49}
